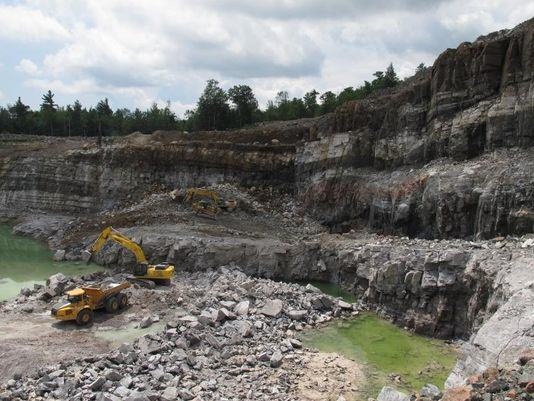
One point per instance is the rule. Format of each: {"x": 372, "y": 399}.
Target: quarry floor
{"x": 263, "y": 220}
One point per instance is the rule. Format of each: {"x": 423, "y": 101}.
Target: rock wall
{"x": 88, "y": 180}
{"x": 446, "y": 154}
{"x": 438, "y": 290}
{"x": 476, "y": 99}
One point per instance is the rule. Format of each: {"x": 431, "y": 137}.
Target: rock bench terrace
{"x": 418, "y": 200}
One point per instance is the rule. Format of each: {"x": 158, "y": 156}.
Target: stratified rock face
{"x": 86, "y": 180}
{"x": 476, "y": 99}
{"x": 446, "y": 154}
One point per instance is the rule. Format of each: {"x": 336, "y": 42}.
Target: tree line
{"x": 216, "y": 109}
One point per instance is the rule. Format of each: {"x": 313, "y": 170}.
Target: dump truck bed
{"x": 99, "y": 292}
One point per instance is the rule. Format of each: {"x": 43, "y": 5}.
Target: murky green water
{"x": 385, "y": 350}
{"x": 25, "y": 262}
{"x": 334, "y": 290}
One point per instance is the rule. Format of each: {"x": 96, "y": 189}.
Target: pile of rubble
{"x": 236, "y": 341}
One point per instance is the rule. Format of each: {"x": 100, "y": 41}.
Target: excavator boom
{"x": 109, "y": 233}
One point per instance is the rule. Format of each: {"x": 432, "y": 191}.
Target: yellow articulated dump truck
{"x": 80, "y": 303}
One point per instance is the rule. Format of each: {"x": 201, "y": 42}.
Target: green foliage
{"x": 20, "y": 114}
{"x": 328, "y": 102}
{"x": 212, "y": 107}
{"x": 48, "y": 111}
{"x": 420, "y": 68}
{"x": 48, "y": 102}
{"x": 216, "y": 109}
{"x": 245, "y": 104}
{"x": 310, "y": 103}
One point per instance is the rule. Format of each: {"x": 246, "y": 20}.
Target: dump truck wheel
{"x": 123, "y": 301}
{"x": 112, "y": 305}
{"x": 85, "y": 317}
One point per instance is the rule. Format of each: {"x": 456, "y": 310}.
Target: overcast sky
{"x": 138, "y": 52}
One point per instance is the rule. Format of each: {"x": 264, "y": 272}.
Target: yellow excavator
{"x": 208, "y": 203}
{"x": 160, "y": 273}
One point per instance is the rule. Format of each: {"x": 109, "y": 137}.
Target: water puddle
{"x": 391, "y": 356}
{"x": 128, "y": 333}
{"x": 25, "y": 262}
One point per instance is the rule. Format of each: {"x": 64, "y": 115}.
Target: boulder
{"x": 276, "y": 360}
{"x": 169, "y": 394}
{"x": 462, "y": 393}
{"x": 272, "y": 308}
{"x": 56, "y": 284}
{"x": 344, "y": 305}
{"x": 146, "y": 322}
{"x": 430, "y": 391}
{"x": 241, "y": 309}
{"x": 297, "y": 314}
{"x": 222, "y": 314}
{"x": 113, "y": 375}
{"x": 322, "y": 303}
{"x": 526, "y": 356}
{"x": 59, "y": 255}
{"x": 390, "y": 394}
{"x": 97, "y": 384}
{"x": 312, "y": 289}
{"x": 26, "y": 291}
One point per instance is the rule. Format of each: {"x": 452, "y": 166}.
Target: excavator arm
{"x": 159, "y": 273}
{"x": 109, "y": 233}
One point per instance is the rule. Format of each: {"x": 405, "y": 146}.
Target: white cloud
{"x": 20, "y": 23}
{"x": 2, "y": 96}
{"x": 138, "y": 52}
{"x": 28, "y": 67}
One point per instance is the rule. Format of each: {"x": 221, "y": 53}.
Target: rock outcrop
{"x": 426, "y": 159}
{"x": 88, "y": 179}
{"x": 476, "y": 99}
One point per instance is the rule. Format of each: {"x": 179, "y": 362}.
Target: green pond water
{"x": 384, "y": 349}
{"x": 25, "y": 262}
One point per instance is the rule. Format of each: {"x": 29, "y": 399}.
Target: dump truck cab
{"x": 75, "y": 301}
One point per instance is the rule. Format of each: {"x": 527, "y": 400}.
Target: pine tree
{"x": 48, "y": 110}
{"x": 76, "y": 127}
{"x": 20, "y": 112}
{"x": 390, "y": 77}
{"x": 310, "y": 102}
{"x": 420, "y": 68}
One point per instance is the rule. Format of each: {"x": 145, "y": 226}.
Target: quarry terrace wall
{"x": 446, "y": 154}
